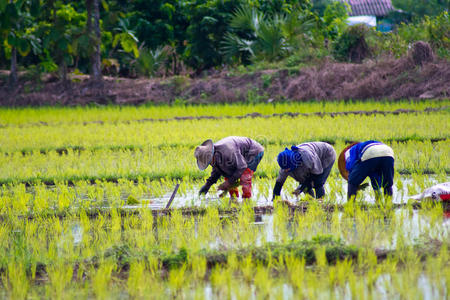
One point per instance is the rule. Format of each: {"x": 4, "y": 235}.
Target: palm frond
{"x": 234, "y": 46}
{"x": 151, "y": 61}
{"x": 271, "y": 43}
{"x": 246, "y": 18}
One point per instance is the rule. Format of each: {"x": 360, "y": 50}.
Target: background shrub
{"x": 351, "y": 45}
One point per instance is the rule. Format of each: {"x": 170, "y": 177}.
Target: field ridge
{"x": 248, "y": 115}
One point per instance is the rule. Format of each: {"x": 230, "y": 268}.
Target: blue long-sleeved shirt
{"x": 355, "y": 153}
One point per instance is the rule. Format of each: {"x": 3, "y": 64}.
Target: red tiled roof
{"x": 369, "y": 7}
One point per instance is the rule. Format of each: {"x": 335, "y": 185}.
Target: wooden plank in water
{"x": 173, "y": 195}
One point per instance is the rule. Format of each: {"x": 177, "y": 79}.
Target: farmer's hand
{"x": 204, "y": 189}
{"x": 363, "y": 186}
{"x": 296, "y": 192}
{"x": 299, "y": 190}
{"x": 225, "y": 186}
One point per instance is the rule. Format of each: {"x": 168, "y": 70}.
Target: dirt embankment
{"x": 387, "y": 79}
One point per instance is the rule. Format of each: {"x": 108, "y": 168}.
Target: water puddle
{"x": 260, "y": 197}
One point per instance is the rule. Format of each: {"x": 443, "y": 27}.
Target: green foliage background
{"x": 168, "y": 37}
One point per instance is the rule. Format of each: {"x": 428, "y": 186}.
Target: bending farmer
{"x": 309, "y": 164}
{"x": 370, "y": 158}
{"x": 236, "y": 158}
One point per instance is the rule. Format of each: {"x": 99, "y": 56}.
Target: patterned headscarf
{"x": 289, "y": 158}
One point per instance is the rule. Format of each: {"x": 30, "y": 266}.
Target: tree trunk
{"x": 63, "y": 74}
{"x": 89, "y": 17}
{"x": 93, "y": 29}
{"x": 13, "y": 74}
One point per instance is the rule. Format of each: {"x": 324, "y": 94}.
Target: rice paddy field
{"x": 83, "y": 192}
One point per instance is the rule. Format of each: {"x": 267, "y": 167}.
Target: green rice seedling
{"x": 113, "y": 195}
{"x": 153, "y": 264}
{"x": 245, "y": 232}
{"x": 198, "y": 267}
{"x": 263, "y": 281}
{"x": 296, "y": 272}
{"x": 321, "y": 258}
{"x": 41, "y": 199}
{"x": 137, "y": 279}
{"x": 101, "y": 278}
{"x": 343, "y": 269}
{"x": 356, "y": 286}
{"x": 179, "y": 227}
{"x": 367, "y": 259}
{"x": 115, "y": 233}
{"x": 15, "y": 280}
{"x": 199, "y": 293}
{"x": 178, "y": 279}
{"x": 65, "y": 197}
{"x": 163, "y": 234}
{"x": 60, "y": 275}
{"x": 221, "y": 280}
{"x": 313, "y": 284}
{"x": 147, "y": 240}
{"x": 20, "y": 203}
{"x": 336, "y": 223}
{"x": 280, "y": 222}
{"x": 308, "y": 225}
{"x": 209, "y": 226}
{"x": 5, "y": 230}
{"x": 247, "y": 268}
{"x": 372, "y": 276}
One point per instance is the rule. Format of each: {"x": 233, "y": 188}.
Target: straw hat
{"x": 204, "y": 154}
{"x": 341, "y": 161}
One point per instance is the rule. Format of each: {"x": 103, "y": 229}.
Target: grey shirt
{"x": 231, "y": 156}
{"x": 316, "y": 156}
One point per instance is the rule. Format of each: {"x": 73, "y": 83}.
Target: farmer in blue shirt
{"x": 371, "y": 159}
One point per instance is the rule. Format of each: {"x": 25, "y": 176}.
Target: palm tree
{"x": 254, "y": 35}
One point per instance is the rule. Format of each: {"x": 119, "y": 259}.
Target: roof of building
{"x": 369, "y": 7}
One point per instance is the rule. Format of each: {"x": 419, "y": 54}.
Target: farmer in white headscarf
{"x": 371, "y": 159}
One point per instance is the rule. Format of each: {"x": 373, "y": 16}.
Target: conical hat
{"x": 341, "y": 161}
{"x": 204, "y": 154}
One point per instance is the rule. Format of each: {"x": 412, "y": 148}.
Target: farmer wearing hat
{"x": 309, "y": 164}
{"x": 236, "y": 158}
{"x": 371, "y": 158}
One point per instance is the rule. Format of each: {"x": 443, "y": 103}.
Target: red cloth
{"x": 246, "y": 182}
{"x": 234, "y": 192}
{"x": 445, "y": 197}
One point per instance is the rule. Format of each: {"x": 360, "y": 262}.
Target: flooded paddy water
{"x": 228, "y": 249}
{"x": 413, "y": 221}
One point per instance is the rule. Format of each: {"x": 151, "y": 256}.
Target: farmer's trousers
{"x": 252, "y": 165}
{"x": 319, "y": 181}
{"x": 246, "y": 178}
{"x": 380, "y": 171}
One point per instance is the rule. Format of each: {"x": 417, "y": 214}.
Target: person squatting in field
{"x": 310, "y": 164}
{"x": 370, "y": 158}
{"x": 236, "y": 158}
